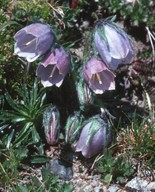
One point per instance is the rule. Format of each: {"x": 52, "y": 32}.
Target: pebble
{"x": 113, "y": 188}
{"x": 137, "y": 183}
{"x": 58, "y": 167}
{"x": 151, "y": 186}
{"x": 100, "y": 189}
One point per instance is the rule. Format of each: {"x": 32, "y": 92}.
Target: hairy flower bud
{"x": 112, "y": 44}
{"x": 98, "y": 76}
{"x": 33, "y": 41}
{"x": 51, "y": 124}
{"x": 54, "y": 67}
{"x": 95, "y": 136}
{"x": 73, "y": 128}
{"x": 84, "y": 93}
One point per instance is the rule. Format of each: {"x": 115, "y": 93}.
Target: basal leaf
{"x": 23, "y": 134}
{"x": 8, "y": 23}
{"x": 35, "y": 135}
{"x": 39, "y": 159}
{"x": 10, "y": 137}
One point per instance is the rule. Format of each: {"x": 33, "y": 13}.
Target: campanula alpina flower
{"x": 98, "y": 76}
{"x": 51, "y": 124}
{"x": 54, "y": 67}
{"x": 96, "y": 135}
{"x": 112, "y": 44}
{"x": 33, "y": 41}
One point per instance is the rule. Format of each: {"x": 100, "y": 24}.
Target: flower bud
{"x": 85, "y": 95}
{"x": 73, "y": 128}
{"x": 95, "y": 136}
{"x": 33, "y": 41}
{"x": 54, "y": 67}
{"x": 51, "y": 124}
{"x": 98, "y": 76}
{"x": 112, "y": 44}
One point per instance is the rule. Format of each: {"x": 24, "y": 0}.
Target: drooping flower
{"x": 54, "y": 67}
{"x": 51, "y": 124}
{"x": 33, "y": 41}
{"x": 96, "y": 135}
{"x": 113, "y": 44}
{"x": 98, "y": 76}
{"x": 73, "y": 128}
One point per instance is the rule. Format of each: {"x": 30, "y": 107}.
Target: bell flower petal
{"x": 98, "y": 76}
{"x": 96, "y": 135}
{"x": 113, "y": 44}
{"x": 33, "y": 41}
{"x": 54, "y": 67}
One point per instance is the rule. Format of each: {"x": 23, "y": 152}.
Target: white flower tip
{"x": 112, "y": 86}
{"x": 16, "y": 49}
{"x": 31, "y": 59}
{"x": 98, "y": 91}
{"x": 59, "y": 84}
{"x": 77, "y": 150}
{"x": 46, "y": 83}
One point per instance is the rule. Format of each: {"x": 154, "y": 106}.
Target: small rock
{"x": 61, "y": 169}
{"x": 151, "y": 186}
{"x": 137, "y": 183}
{"x": 113, "y": 188}
{"x": 100, "y": 189}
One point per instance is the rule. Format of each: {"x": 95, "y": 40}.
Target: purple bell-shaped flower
{"x": 96, "y": 135}
{"x": 54, "y": 67}
{"x": 98, "y": 76}
{"x": 33, "y": 41}
{"x": 112, "y": 44}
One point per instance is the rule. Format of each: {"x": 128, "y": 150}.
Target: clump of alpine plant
{"x": 113, "y": 44}
{"x": 33, "y": 41}
{"x": 54, "y": 67}
{"x": 96, "y": 135}
{"x": 98, "y": 76}
{"x": 51, "y": 124}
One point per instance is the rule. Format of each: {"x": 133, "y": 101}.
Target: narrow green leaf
{"x": 18, "y": 119}
{"x": 40, "y": 148}
{"x": 9, "y": 115}
{"x": 10, "y": 139}
{"x": 23, "y": 188}
{"x": 45, "y": 172}
{"x": 23, "y": 134}
{"x": 23, "y": 93}
{"x": 34, "y": 92}
{"x": 39, "y": 159}
{"x": 15, "y": 105}
{"x": 35, "y": 135}
{"x": 2, "y": 127}
{"x": 36, "y": 181}
{"x": 39, "y": 102}
{"x": 3, "y": 26}
{"x": 11, "y": 102}
{"x": 12, "y": 117}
